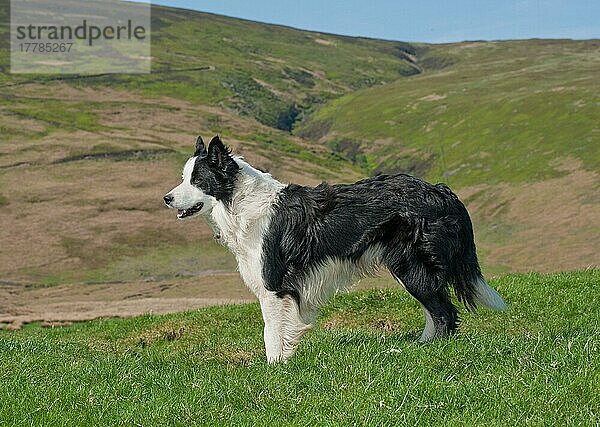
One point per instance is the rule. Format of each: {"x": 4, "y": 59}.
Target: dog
{"x": 296, "y": 246}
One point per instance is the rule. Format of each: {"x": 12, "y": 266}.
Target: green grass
{"x": 55, "y": 115}
{"x": 537, "y": 364}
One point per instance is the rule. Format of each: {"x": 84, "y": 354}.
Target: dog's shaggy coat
{"x": 296, "y": 246}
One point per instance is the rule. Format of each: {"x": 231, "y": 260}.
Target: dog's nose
{"x": 168, "y": 199}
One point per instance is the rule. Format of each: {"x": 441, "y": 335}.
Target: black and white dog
{"x": 296, "y": 246}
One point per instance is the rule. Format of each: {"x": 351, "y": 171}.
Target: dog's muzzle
{"x": 184, "y": 213}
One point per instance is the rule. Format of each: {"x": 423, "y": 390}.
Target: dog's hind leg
{"x": 284, "y": 327}
{"x": 429, "y": 332}
{"x": 441, "y": 316}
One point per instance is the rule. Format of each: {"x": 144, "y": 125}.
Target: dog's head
{"x": 208, "y": 177}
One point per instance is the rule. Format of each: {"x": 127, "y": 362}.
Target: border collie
{"x": 296, "y": 246}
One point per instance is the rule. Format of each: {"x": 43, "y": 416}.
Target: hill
{"x": 512, "y": 125}
{"x": 535, "y": 364}
{"x": 85, "y": 160}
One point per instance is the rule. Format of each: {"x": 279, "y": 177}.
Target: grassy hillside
{"x": 85, "y": 161}
{"x": 268, "y": 72}
{"x": 502, "y": 112}
{"x": 538, "y": 363}
{"x": 513, "y": 126}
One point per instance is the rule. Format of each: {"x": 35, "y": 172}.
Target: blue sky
{"x": 420, "y": 20}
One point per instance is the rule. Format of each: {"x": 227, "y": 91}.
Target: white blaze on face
{"x": 186, "y": 195}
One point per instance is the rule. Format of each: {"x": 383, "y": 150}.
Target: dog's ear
{"x": 200, "y": 148}
{"x": 218, "y": 153}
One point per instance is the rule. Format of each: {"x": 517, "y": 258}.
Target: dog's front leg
{"x": 272, "y": 313}
{"x": 283, "y": 326}
{"x": 273, "y": 342}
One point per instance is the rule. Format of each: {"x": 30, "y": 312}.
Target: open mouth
{"x": 185, "y": 213}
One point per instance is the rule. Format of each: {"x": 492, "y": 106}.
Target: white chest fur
{"x": 244, "y": 222}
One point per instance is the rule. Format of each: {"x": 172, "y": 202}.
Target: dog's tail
{"x": 465, "y": 274}
{"x": 474, "y": 292}
{"x": 486, "y": 296}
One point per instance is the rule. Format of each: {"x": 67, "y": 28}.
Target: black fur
{"x": 200, "y": 148}
{"x": 424, "y": 229}
{"x": 215, "y": 171}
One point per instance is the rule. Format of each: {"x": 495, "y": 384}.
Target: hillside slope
{"x": 84, "y": 161}
{"x": 512, "y": 125}
{"x": 499, "y": 112}
{"x": 268, "y": 72}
